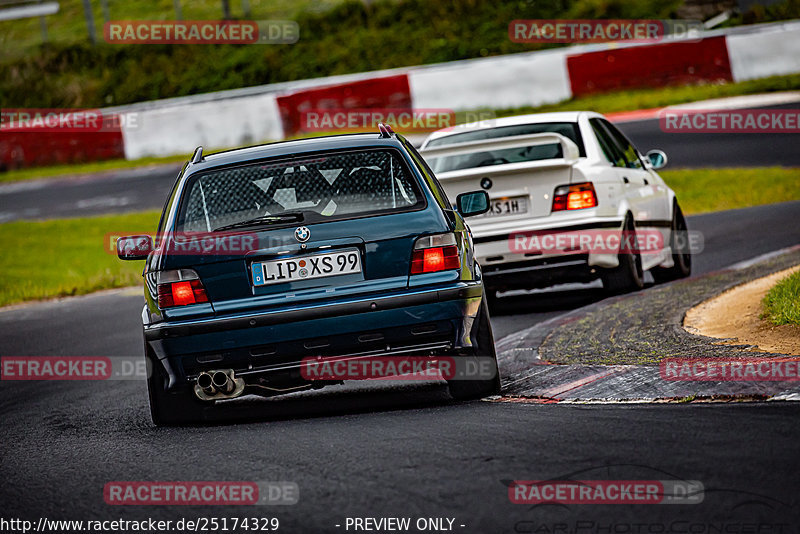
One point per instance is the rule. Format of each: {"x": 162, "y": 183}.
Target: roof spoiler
{"x": 568, "y": 148}
{"x": 197, "y": 157}
{"x": 385, "y": 130}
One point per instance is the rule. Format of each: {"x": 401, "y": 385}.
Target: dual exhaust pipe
{"x": 215, "y": 381}
{"x": 219, "y": 384}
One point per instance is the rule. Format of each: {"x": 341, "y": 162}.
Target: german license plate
{"x": 501, "y": 207}
{"x": 306, "y": 267}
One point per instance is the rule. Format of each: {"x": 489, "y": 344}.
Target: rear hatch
{"x": 325, "y": 235}
{"x": 340, "y": 259}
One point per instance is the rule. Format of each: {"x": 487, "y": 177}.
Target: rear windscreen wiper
{"x": 264, "y": 220}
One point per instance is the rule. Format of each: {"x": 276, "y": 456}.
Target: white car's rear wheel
{"x": 681, "y": 255}
{"x": 629, "y": 275}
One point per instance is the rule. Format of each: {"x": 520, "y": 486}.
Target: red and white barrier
{"x": 35, "y": 149}
{"x": 774, "y": 51}
{"x": 179, "y": 129}
{"x": 654, "y": 65}
{"x": 272, "y": 112}
{"x": 381, "y": 92}
{"x": 501, "y": 82}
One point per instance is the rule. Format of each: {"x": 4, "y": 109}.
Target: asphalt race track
{"x": 378, "y": 450}
{"x": 370, "y": 450}
{"x": 716, "y": 150}
{"x": 141, "y": 189}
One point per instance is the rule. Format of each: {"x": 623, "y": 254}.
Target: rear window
{"x": 325, "y": 187}
{"x": 487, "y": 158}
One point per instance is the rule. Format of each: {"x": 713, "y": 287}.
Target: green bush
{"x": 352, "y": 36}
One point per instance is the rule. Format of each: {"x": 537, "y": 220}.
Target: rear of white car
{"x": 562, "y": 174}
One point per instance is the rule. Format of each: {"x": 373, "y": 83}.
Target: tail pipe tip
{"x": 206, "y": 383}
{"x": 223, "y": 382}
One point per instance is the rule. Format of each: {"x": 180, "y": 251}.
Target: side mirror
{"x": 134, "y": 247}
{"x": 657, "y": 158}
{"x": 472, "y": 203}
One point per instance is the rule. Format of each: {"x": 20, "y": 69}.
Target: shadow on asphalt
{"x": 348, "y": 399}
{"x": 545, "y": 302}
{"x": 373, "y": 396}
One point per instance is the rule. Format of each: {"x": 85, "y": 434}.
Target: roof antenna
{"x": 197, "y": 157}
{"x": 386, "y": 130}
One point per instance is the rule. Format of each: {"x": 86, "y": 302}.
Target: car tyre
{"x": 681, "y": 256}
{"x": 492, "y": 300}
{"x": 629, "y": 275}
{"x": 477, "y": 389}
{"x": 169, "y": 408}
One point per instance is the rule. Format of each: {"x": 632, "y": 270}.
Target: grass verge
{"x": 662, "y": 96}
{"x": 782, "y": 302}
{"x": 62, "y": 257}
{"x": 58, "y": 171}
{"x": 705, "y": 190}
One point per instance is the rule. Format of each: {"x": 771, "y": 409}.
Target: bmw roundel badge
{"x": 302, "y": 234}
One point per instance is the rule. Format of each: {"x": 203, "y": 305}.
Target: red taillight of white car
{"x": 180, "y": 288}
{"x": 574, "y": 197}
{"x": 435, "y": 253}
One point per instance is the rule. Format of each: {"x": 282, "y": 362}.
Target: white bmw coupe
{"x": 572, "y": 200}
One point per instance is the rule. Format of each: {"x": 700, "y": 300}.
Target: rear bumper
{"x": 504, "y": 267}
{"x": 539, "y": 273}
{"x": 415, "y": 321}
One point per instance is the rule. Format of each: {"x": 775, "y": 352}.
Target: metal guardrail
{"x": 29, "y": 10}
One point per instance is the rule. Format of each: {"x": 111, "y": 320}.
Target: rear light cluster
{"x": 180, "y": 288}
{"x": 574, "y": 197}
{"x": 435, "y": 253}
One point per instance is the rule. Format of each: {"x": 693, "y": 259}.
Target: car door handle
{"x": 646, "y": 182}
{"x": 625, "y": 179}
